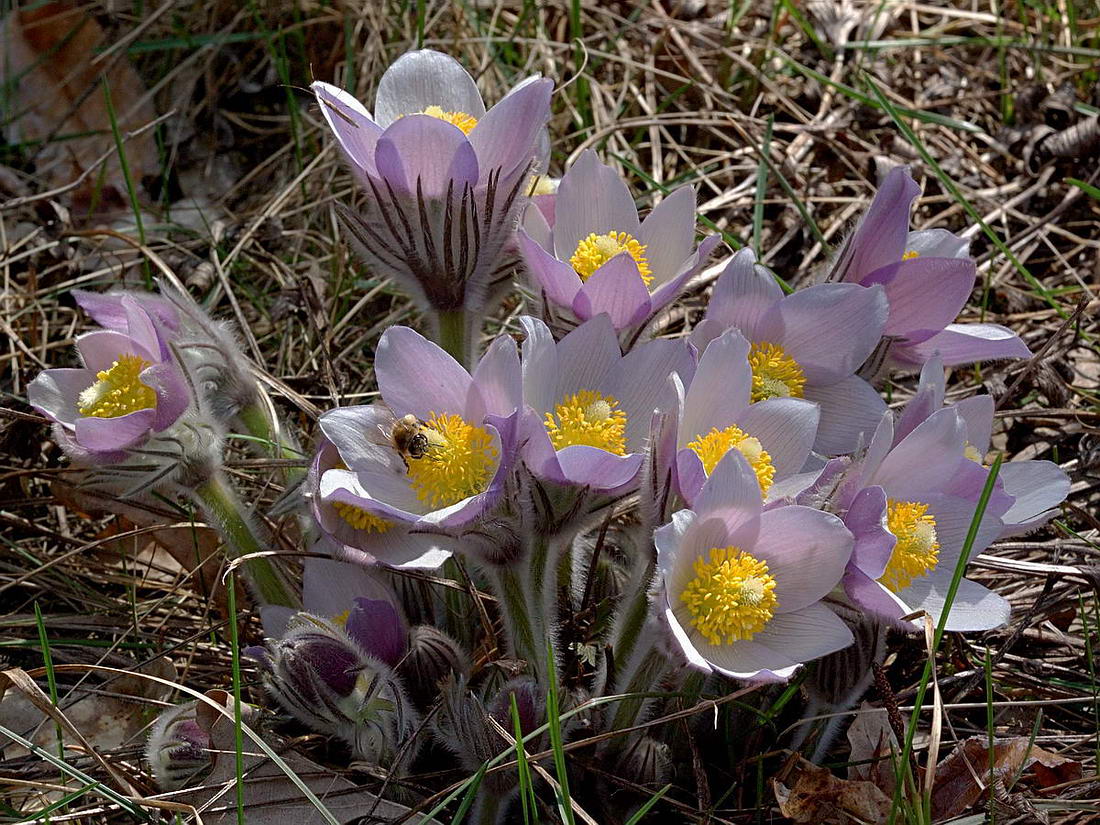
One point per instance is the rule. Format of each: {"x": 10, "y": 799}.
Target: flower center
{"x": 458, "y": 463}
{"x": 588, "y": 418}
{"x": 732, "y": 596}
{"x": 908, "y": 256}
{"x": 917, "y": 551}
{"x": 119, "y": 390}
{"x": 596, "y": 250}
{"x": 711, "y": 447}
{"x": 774, "y": 373}
{"x": 462, "y": 120}
{"x": 358, "y": 517}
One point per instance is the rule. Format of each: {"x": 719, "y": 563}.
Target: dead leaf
{"x": 270, "y": 797}
{"x": 807, "y": 793}
{"x": 873, "y": 748}
{"x": 962, "y": 779}
{"x": 58, "y": 108}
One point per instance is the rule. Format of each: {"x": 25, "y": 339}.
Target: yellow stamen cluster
{"x": 357, "y": 517}
{"x": 732, "y": 596}
{"x": 588, "y": 418}
{"x": 596, "y": 250}
{"x": 917, "y": 551}
{"x": 774, "y": 373}
{"x": 119, "y": 390}
{"x": 459, "y": 462}
{"x": 908, "y": 256}
{"x": 462, "y": 120}
{"x": 711, "y": 447}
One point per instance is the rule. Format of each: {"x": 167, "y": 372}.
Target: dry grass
{"x": 241, "y": 211}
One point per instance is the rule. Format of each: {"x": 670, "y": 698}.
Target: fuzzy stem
{"x": 453, "y": 334}
{"x": 224, "y": 510}
{"x": 633, "y": 611}
{"x": 257, "y": 422}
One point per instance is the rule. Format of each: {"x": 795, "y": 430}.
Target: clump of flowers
{"x": 651, "y": 517}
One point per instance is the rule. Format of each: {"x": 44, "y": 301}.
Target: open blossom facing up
{"x": 129, "y": 388}
{"x": 597, "y": 257}
{"x": 805, "y": 345}
{"x": 589, "y": 406}
{"x": 775, "y": 434}
{"x": 928, "y": 277}
{"x": 445, "y": 179}
{"x": 741, "y": 588}
{"x": 909, "y": 505}
{"x": 465, "y": 428}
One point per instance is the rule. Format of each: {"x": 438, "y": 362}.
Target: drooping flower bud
{"x": 647, "y": 762}
{"x": 432, "y": 657}
{"x": 178, "y": 747}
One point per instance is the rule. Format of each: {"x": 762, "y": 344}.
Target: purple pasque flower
{"x": 928, "y": 277}
{"x": 456, "y": 434}
{"x": 775, "y": 435}
{"x": 1036, "y": 487}
{"x": 910, "y": 508}
{"x": 129, "y": 389}
{"x": 596, "y": 257}
{"x": 589, "y": 407}
{"x": 742, "y": 588}
{"x": 808, "y": 344}
{"x": 445, "y": 179}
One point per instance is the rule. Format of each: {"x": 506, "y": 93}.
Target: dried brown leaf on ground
{"x": 874, "y": 748}
{"x": 53, "y": 74}
{"x": 808, "y": 793}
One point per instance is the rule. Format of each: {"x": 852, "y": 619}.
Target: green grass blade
{"x": 762, "y": 169}
{"x": 526, "y": 786}
{"x": 642, "y": 811}
{"x": 238, "y": 743}
{"x": 562, "y": 792}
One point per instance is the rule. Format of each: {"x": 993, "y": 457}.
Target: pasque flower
{"x": 130, "y": 388}
{"x": 1036, "y": 487}
{"x": 445, "y": 463}
{"x": 742, "y": 588}
{"x": 909, "y": 505}
{"x": 928, "y": 277}
{"x": 589, "y": 406}
{"x": 805, "y": 345}
{"x": 597, "y": 257}
{"x": 445, "y": 179}
{"x": 775, "y": 434}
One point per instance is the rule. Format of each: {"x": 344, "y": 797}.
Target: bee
{"x": 409, "y": 439}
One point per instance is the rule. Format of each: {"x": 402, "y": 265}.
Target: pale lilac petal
{"x": 592, "y": 198}
{"x": 805, "y": 634}
{"x": 539, "y": 363}
{"x": 850, "y": 411}
{"x": 426, "y": 155}
{"x": 741, "y": 660}
{"x": 417, "y": 376}
{"x": 504, "y": 432}
{"x": 690, "y": 475}
{"x": 965, "y": 344}
{"x": 975, "y": 607}
{"x": 56, "y": 393}
{"x": 275, "y": 618}
{"x": 968, "y": 480}
{"x": 173, "y": 393}
{"x": 382, "y": 492}
{"x": 142, "y": 329}
{"x": 1038, "y": 487}
{"x": 350, "y": 122}
{"x": 731, "y": 493}
{"x": 937, "y": 243}
{"x": 873, "y": 542}
{"x": 377, "y": 627}
{"x": 829, "y": 329}
{"x": 873, "y": 597}
{"x": 507, "y": 136}
{"x": 598, "y": 469}
{"x": 329, "y": 588}
{"x": 668, "y": 234}
{"x": 536, "y": 224}
{"x": 538, "y": 453}
{"x": 399, "y": 548}
{"x": 977, "y": 414}
{"x": 925, "y": 294}
{"x": 742, "y": 294}
{"x": 640, "y": 383}
{"x": 108, "y": 434}
{"x": 498, "y": 377}
{"x": 423, "y": 78}
{"x": 587, "y": 357}
{"x": 720, "y": 390}
{"x": 670, "y": 290}
{"x": 881, "y": 235}
{"x": 362, "y": 435}
{"x": 928, "y": 399}
{"x": 806, "y": 551}
{"x": 100, "y": 350}
{"x": 106, "y": 308}
{"x": 557, "y": 278}
{"x": 616, "y": 288}
{"x": 925, "y": 459}
{"x": 787, "y": 429}
{"x": 692, "y": 536}
{"x": 953, "y": 518}
{"x": 669, "y": 542}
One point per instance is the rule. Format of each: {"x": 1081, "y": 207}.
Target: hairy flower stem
{"x": 633, "y": 611}
{"x": 259, "y": 423}
{"x": 453, "y": 335}
{"x": 223, "y": 510}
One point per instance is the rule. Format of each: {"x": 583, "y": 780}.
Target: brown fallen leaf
{"x": 808, "y": 793}
{"x": 270, "y": 796}
{"x": 962, "y": 779}
{"x": 57, "y": 105}
{"x": 873, "y": 748}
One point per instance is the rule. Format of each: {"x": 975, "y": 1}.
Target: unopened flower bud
{"x": 178, "y": 747}
{"x": 432, "y": 657}
{"x": 647, "y": 762}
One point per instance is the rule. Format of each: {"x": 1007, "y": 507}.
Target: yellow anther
{"x": 459, "y": 463}
{"x": 588, "y": 418}
{"x": 596, "y": 250}
{"x": 462, "y": 120}
{"x": 731, "y": 598}
{"x": 711, "y": 447}
{"x": 917, "y": 551}
{"x": 119, "y": 390}
{"x": 774, "y": 373}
